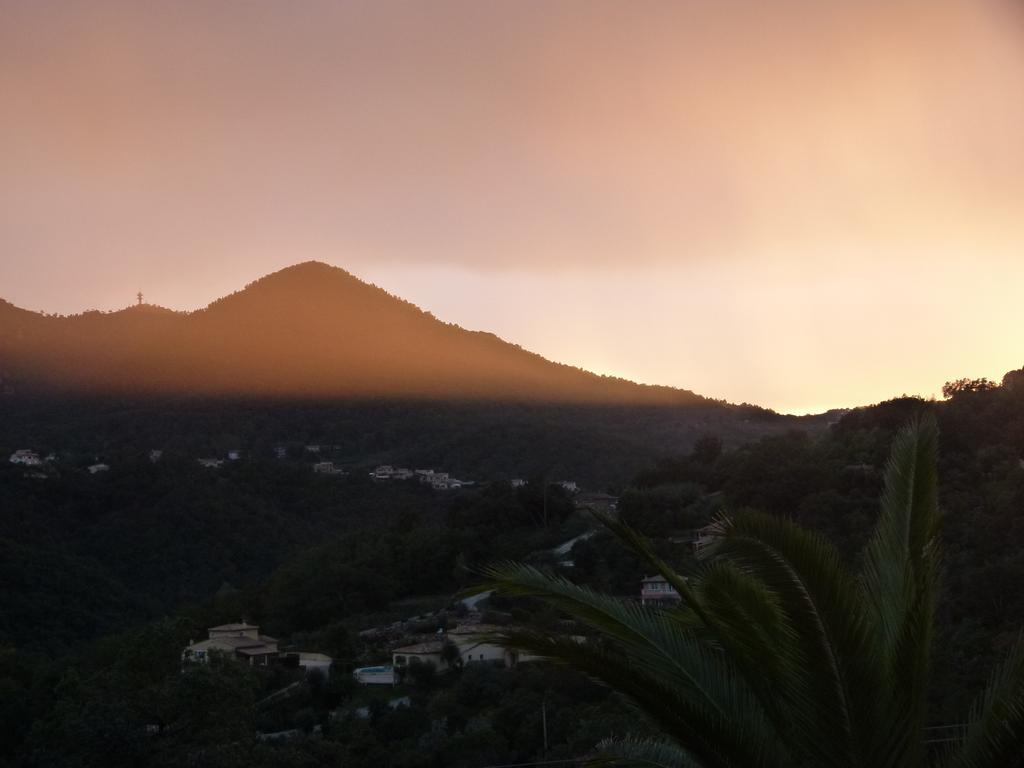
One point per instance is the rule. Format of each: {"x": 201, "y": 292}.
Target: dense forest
{"x": 107, "y": 576}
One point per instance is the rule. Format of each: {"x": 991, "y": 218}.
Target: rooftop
{"x": 433, "y": 646}
{"x": 655, "y": 579}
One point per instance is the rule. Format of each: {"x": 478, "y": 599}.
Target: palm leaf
{"x": 642, "y": 752}
{"x": 836, "y": 716}
{"x": 996, "y": 732}
{"x": 735, "y": 736}
{"x": 900, "y": 577}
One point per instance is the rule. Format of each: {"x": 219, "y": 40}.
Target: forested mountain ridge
{"x": 310, "y": 330}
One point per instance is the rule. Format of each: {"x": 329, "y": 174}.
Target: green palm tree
{"x": 777, "y": 655}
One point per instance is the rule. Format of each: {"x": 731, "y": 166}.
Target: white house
{"x": 234, "y": 454}
{"x": 419, "y": 653}
{"x": 94, "y": 468}
{"x": 241, "y": 641}
{"x": 569, "y": 486}
{"x": 210, "y": 463}
{"x": 475, "y": 647}
{"x": 656, "y": 589}
{"x": 518, "y": 482}
{"x": 26, "y": 457}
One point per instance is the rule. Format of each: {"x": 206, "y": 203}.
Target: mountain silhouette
{"x": 311, "y": 330}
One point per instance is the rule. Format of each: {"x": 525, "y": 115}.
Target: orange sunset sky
{"x": 799, "y": 204}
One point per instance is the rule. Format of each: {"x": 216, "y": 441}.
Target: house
{"x": 656, "y": 589}
{"x": 280, "y": 451}
{"x": 240, "y": 641}
{"x": 313, "y": 448}
{"x": 383, "y": 472}
{"x": 94, "y": 468}
{"x": 569, "y": 486}
{"x": 155, "y": 455}
{"x": 419, "y": 653}
{"x": 476, "y": 647}
{"x": 210, "y": 463}
{"x": 234, "y": 455}
{"x": 518, "y": 482}
{"x": 326, "y": 468}
{"x": 26, "y": 457}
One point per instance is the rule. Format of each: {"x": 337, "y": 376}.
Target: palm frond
{"x": 900, "y": 576}
{"x": 996, "y": 731}
{"x": 724, "y": 603}
{"x": 653, "y": 642}
{"x": 732, "y": 736}
{"x": 836, "y": 717}
{"x": 649, "y": 753}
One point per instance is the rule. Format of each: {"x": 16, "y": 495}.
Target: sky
{"x": 799, "y": 204}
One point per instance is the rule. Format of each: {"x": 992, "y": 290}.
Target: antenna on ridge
{"x": 139, "y": 297}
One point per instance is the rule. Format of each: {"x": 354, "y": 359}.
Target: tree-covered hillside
{"x": 315, "y": 559}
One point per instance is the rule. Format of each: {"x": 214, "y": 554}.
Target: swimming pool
{"x": 372, "y": 670}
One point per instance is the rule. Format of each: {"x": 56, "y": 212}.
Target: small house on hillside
{"x": 420, "y": 653}
{"x": 476, "y": 647}
{"x": 26, "y": 457}
{"x": 474, "y": 644}
{"x": 241, "y": 641}
{"x": 656, "y": 589}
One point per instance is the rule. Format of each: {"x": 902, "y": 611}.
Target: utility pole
{"x": 544, "y": 722}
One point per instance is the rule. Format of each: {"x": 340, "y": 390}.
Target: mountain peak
{"x": 310, "y": 329}
{"x": 307, "y": 269}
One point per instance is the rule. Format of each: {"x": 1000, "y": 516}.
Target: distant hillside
{"x": 311, "y": 330}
